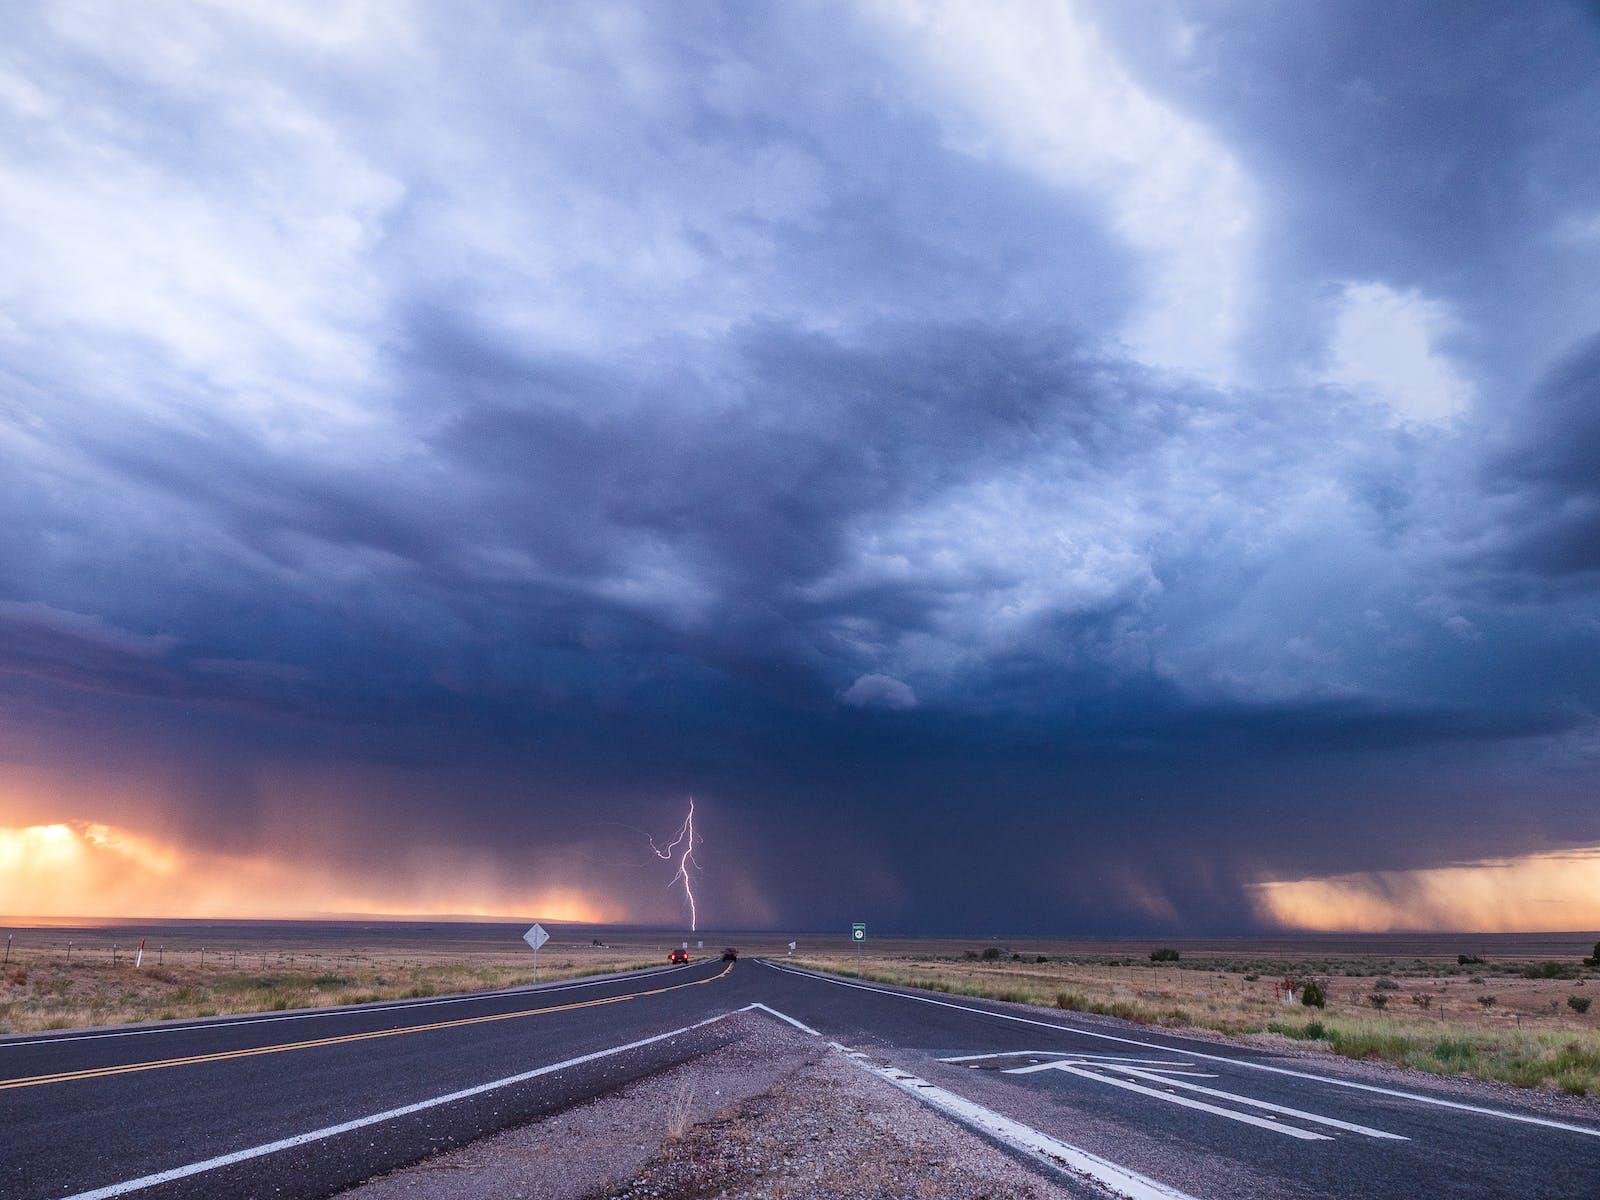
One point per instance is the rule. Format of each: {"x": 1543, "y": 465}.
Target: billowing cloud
{"x": 1388, "y": 343}
{"x": 1168, "y": 436}
{"x": 879, "y": 691}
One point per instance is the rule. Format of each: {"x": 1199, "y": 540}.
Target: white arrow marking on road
{"x": 1331, "y": 1122}
{"x": 1091, "y": 1070}
{"x": 962, "y": 1058}
{"x": 1243, "y": 1063}
{"x": 1050, "y": 1066}
{"x": 1087, "y": 1072}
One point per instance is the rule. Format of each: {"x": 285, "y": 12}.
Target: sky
{"x": 1019, "y": 467}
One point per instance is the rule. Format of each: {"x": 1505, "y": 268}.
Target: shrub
{"x": 1422, "y": 1000}
{"x": 992, "y": 954}
{"x": 1313, "y": 994}
{"x": 1378, "y": 1000}
{"x": 1594, "y": 959}
{"x": 1040, "y": 958}
{"x": 1252, "y": 977}
{"x": 1486, "y": 1001}
{"x": 1385, "y": 984}
{"x": 1311, "y": 1031}
{"x": 1467, "y": 960}
{"x": 1164, "y": 954}
{"x": 1579, "y": 1004}
{"x": 1550, "y": 970}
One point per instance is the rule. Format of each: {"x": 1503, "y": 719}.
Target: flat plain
{"x": 1520, "y": 1015}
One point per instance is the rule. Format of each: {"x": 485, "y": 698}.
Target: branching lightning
{"x": 686, "y": 838}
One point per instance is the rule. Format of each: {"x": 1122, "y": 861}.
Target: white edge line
{"x": 342, "y": 1010}
{"x": 327, "y": 1131}
{"x": 1039, "y": 1146}
{"x": 800, "y": 1025}
{"x": 1524, "y": 1118}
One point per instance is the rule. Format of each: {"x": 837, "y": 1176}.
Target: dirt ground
{"x": 774, "y": 1116}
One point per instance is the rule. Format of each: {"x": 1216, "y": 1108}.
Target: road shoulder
{"x": 773, "y": 1113}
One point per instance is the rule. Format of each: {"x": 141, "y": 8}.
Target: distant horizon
{"x": 876, "y": 933}
{"x": 1102, "y": 465}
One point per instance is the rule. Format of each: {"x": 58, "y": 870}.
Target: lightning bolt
{"x": 686, "y": 837}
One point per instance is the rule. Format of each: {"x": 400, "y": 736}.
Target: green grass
{"x": 1569, "y": 1061}
{"x": 1564, "y": 1060}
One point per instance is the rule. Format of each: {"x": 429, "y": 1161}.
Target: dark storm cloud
{"x": 1552, "y": 469}
{"x": 638, "y": 407}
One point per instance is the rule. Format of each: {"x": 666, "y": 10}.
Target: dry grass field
{"x": 59, "y": 978}
{"x": 1520, "y": 1016}
{"x": 1515, "y": 1016}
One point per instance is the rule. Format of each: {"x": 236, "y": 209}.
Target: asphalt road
{"x": 303, "y": 1105}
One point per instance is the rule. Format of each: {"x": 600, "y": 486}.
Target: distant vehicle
{"x": 730, "y": 955}
{"x": 678, "y": 956}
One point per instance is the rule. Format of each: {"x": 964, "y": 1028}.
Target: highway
{"x": 305, "y": 1104}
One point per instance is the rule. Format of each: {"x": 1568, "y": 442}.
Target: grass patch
{"x": 1568, "y": 1060}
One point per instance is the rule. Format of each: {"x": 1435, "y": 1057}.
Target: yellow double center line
{"x": 281, "y": 1047}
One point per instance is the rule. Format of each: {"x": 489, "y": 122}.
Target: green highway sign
{"x": 858, "y": 932}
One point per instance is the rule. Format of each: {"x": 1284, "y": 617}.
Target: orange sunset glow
{"x": 1510, "y": 895}
{"x": 83, "y": 869}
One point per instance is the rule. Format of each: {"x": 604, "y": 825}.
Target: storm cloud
{"x": 1014, "y": 469}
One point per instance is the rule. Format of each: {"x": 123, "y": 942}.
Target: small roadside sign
{"x": 536, "y": 937}
{"x": 686, "y": 945}
{"x": 791, "y": 947}
{"x": 858, "y": 932}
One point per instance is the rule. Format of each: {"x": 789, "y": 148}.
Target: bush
{"x": 1594, "y": 959}
{"x": 1313, "y": 994}
{"x": 1422, "y": 1000}
{"x": 1379, "y": 1000}
{"x": 1385, "y": 984}
{"x": 1164, "y": 954}
{"x": 1550, "y": 970}
{"x": 992, "y": 954}
{"x": 1040, "y": 958}
{"x": 1467, "y": 960}
{"x": 1486, "y": 1001}
{"x": 1579, "y": 1004}
{"x": 1311, "y": 1031}
{"x": 1252, "y": 977}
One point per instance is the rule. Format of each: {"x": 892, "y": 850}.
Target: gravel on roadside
{"x": 773, "y": 1115}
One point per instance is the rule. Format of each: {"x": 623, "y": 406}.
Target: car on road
{"x": 730, "y": 955}
{"x": 678, "y": 956}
